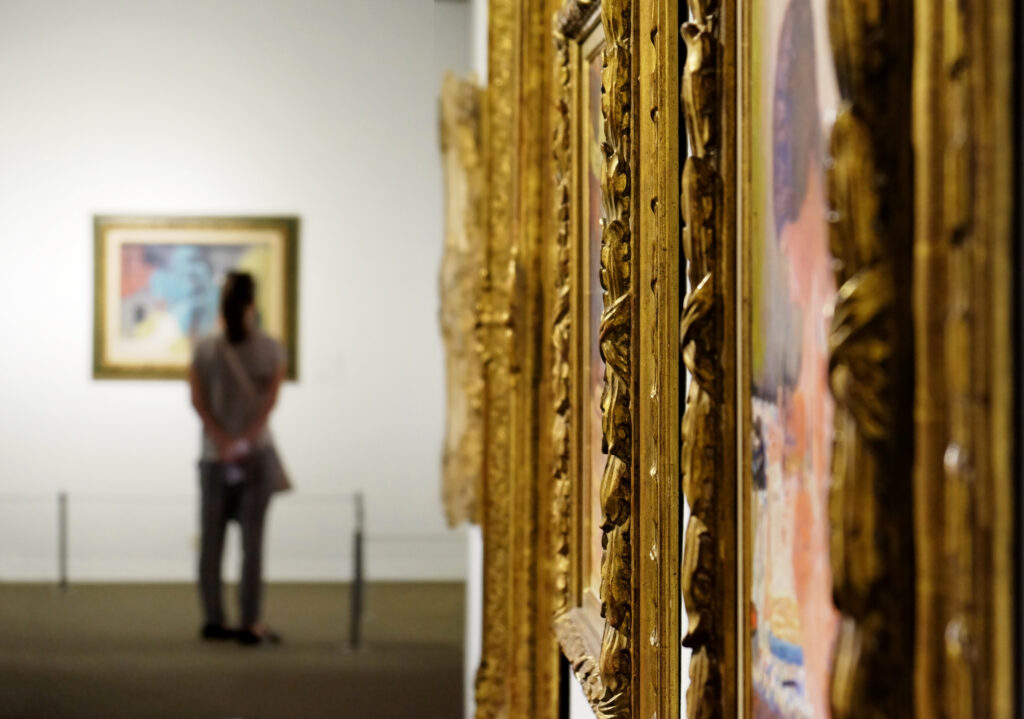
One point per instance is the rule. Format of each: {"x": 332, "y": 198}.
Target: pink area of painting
{"x": 794, "y": 620}
{"x": 135, "y": 272}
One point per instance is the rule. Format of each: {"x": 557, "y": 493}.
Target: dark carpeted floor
{"x": 131, "y": 651}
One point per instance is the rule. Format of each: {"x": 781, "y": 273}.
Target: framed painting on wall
{"x": 797, "y": 208}
{"x": 158, "y": 280}
{"x": 826, "y": 241}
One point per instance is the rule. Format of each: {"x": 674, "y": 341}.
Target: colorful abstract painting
{"x": 793, "y": 621}
{"x": 158, "y": 286}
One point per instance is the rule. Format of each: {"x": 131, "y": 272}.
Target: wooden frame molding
{"x": 569, "y": 625}
{"x": 499, "y": 133}
{"x": 616, "y": 341}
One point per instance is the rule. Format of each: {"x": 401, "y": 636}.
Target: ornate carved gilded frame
{"x": 578, "y": 630}
{"x": 628, "y": 664}
{"x": 462, "y": 267}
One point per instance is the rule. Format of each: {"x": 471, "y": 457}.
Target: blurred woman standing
{"x": 235, "y": 378}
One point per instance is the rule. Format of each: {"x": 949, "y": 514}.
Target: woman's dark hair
{"x": 796, "y": 124}
{"x": 238, "y": 294}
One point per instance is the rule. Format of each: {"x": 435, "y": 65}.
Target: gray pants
{"x": 245, "y": 502}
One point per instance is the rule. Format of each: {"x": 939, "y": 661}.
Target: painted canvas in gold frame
{"x": 864, "y": 348}
{"x": 158, "y": 282}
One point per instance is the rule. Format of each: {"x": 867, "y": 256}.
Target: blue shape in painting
{"x": 187, "y": 284}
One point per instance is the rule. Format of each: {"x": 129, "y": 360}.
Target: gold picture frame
{"x": 871, "y": 362}
{"x": 713, "y": 566}
{"x": 157, "y": 287}
{"x": 462, "y": 270}
{"x": 621, "y": 648}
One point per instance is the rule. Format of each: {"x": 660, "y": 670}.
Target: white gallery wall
{"x": 321, "y": 108}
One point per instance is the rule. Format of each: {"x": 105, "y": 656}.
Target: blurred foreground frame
{"x": 157, "y": 287}
{"x": 967, "y": 305}
{"x": 519, "y": 673}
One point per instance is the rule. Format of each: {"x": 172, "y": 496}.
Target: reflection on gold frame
{"x": 461, "y": 276}
{"x": 158, "y": 286}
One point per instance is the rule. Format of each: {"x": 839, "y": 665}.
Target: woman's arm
{"x": 219, "y": 436}
{"x": 256, "y": 427}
